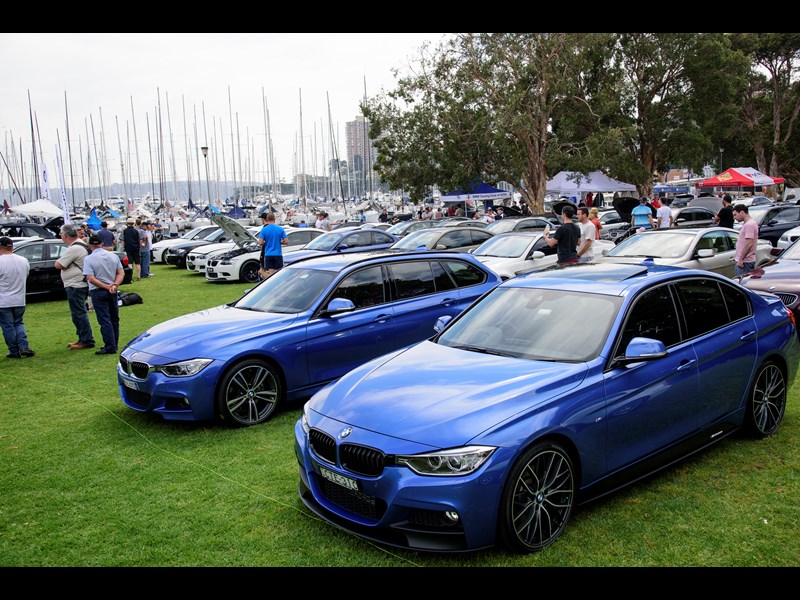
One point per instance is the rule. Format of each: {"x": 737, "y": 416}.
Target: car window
{"x": 381, "y": 238}
{"x": 652, "y": 315}
{"x": 787, "y": 214}
{"x": 736, "y": 301}
{"x": 715, "y": 240}
{"x": 33, "y": 252}
{"x": 463, "y": 273}
{"x": 455, "y": 239}
{"x": 478, "y": 237}
{"x": 10, "y": 231}
{"x": 442, "y": 280}
{"x": 363, "y": 288}
{"x": 542, "y": 246}
{"x": 358, "y": 240}
{"x": 703, "y": 306}
{"x": 57, "y": 250}
{"x": 412, "y": 279}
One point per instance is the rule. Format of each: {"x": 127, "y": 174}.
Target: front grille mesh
{"x": 787, "y": 298}
{"x": 355, "y": 502}
{"x": 323, "y": 445}
{"x": 361, "y": 460}
{"x": 138, "y": 398}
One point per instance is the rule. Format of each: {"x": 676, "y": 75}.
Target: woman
{"x": 594, "y": 218}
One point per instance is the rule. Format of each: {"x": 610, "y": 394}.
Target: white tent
{"x": 38, "y": 208}
{"x": 566, "y": 184}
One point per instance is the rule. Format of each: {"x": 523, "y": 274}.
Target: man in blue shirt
{"x": 642, "y": 216}
{"x": 271, "y": 238}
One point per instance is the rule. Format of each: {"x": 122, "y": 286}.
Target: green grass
{"x": 87, "y": 482}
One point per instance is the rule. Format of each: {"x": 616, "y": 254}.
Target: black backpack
{"x": 128, "y": 298}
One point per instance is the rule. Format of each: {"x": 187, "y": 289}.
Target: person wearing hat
{"x": 104, "y": 272}
{"x": 70, "y": 263}
{"x": 14, "y": 271}
{"x": 642, "y": 215}
{"x": 133, "y": 246}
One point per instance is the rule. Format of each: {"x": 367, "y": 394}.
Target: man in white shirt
{"x": 14, "y": 271}
{"x": 663, "y": 217}
{"x": 588, "y": 235}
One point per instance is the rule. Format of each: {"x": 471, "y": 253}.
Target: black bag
{"x": 128, "y": 298}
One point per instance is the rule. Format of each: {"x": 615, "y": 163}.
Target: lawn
{"x": 88, "y": 482}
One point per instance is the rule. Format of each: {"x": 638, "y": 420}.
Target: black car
{"x": 774, "y": 220}
{"x": 176, "y": 255}
{"x": 43, "y": 277}
{"x": 28, "y": 230}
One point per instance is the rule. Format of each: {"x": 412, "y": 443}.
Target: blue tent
{"x": 236, "y": 213}
{"x": 93, "y": 221}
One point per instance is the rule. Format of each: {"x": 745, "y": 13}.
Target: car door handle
{"x": 448, "y": 301}
{"x": 685, "y": 364}
{"x": 381, "y": 318}
{"x": 747, "y": 335}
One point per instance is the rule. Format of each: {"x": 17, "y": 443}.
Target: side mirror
{"x": 705, "y": 253}
{"x": 441, "y": 323}
{"x": 536, "y": 255}
{"x": 339, "y": 305}
{"x": 441, "y": 247}
{"x": 606, "y": 251}
{"x": 341, "y": 247}
{"x": 642, "y": 349}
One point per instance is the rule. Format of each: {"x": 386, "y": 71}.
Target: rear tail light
{"x": 791, "y": 316}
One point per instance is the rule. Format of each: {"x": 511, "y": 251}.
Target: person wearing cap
{"x": 642, "y": 215}
{"x": 104, "y": 272}
{"x": 133, "y": 246}
{"x": 14, "y": 271}
{"x": 70, "y": 263}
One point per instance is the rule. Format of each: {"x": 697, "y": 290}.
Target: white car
{"x": 511, "y": 254}
{"x": 788, "y": 238}
{"x": 159, "y": 248}
{"x": 198, "y": 257}
{"x": 242, "y": 263}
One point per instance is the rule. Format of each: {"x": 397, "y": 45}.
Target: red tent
{"x": 740, "y": 177}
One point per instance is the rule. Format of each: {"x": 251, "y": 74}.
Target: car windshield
{"x": 419, "y": 239}
{"x": 510, "y": 246}
{"x": 791, "y": 253}
{"x": 287, "y": 291}
{"x": 399, "y": 228}
{"x": 325, "y": 242}
{"x": 196, "y": 232}
{"x": 757, "y": 212}
{"x": 671, "y": 244}
{"x": 214, "y": 235}
{"x": 535, "y": 324}
{"x": 501, "y": 226}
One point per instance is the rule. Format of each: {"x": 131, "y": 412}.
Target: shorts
{"x": 273, "y": 262}
{"x": 134, "y": 258}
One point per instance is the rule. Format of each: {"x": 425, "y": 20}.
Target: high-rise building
{"x": 359, "y": 161}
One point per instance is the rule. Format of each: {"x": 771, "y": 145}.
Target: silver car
{"x": 708, "y": 248}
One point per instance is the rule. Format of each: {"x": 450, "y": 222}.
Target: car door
{"x": 54, "y": 252}
{"x": 529, "y": 263}
{"x": 454, "y": 240}
{"x": 724, "y": 259}
{"x": 337, "y": 343}
{"x": 650, "y": 404}
{"x": 37, "y": 276}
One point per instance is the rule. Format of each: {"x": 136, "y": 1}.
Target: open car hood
{"x": 559, "y": 205}
{"x": 236, "y": 233}
{"x": 624, "y": 206}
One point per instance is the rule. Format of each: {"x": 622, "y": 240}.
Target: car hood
{"x": 451, "y": 397}
{"x": 624, "y": 206}
{"x": 782, "y": 275}
{"x": 212, "y": 333}
{"x": 295, "y": 255}
{"x": 208, "y": 248}
{"x": 236, "y": 233}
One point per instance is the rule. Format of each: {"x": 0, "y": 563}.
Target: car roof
{"x": 338, "y": 262}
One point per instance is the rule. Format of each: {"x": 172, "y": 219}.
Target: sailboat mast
{"x": 233, "y": 148}
{"x": 121, "y": 161}
{"x": 69, "y": 154}
{"x": 136, "y": 147}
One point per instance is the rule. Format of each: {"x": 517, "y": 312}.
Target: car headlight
{"x": 184, "y": 368}
{"x": 447, "y": 463}
{"x": 226, "y": 261}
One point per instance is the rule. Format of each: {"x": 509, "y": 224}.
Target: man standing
{"x": 71, "y": 266}
{"x": 133, "y": 247}
{"x": 588, "y": 235}
{"x": 106, "y": 236}
{"x": 642, "y": 215}
{"x": 724, "y": 217}
{"x": 747, "y": 241}
{"x": 13, "y": 280}
{"x": 173, "y": 227}
{"x": 565, "y": 238}
{"x": 147, "y": 245}
{"x": 664, "y": 217}
{"x": 383, "y": 217}
{"x": 104, "y": 273}
{"x": 271, "y": 238}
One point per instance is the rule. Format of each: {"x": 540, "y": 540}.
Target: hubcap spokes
{"x": 768, "y": 398}
{"x": 252, "y": 394}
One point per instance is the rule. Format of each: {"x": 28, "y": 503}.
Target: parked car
{"x": 710, "y": 249}
{"x": 19, "y": 230}
{"x": 788, "y": 238}
{"x": 42, "y": 255}
{"x": 774, "y": 220}
{"x": 303, "y": 327}
{"x": 176, "y": 255}
{"x": 522, "y": 223}
{"x": 242, "y": 263}
{"x": 343, "y": 241}
{"x": 517, "y": 252}
{"x": 465, "y": 223}
{"x": 405, "y": 227}
{"x": 566, "y": 385}
{"x": 459, "y": 239}
{"x": 237, "y": 236}
{"x": 692, "y": 216}
{"x": 780, "y": 277}
{"x": 159, "y": 248}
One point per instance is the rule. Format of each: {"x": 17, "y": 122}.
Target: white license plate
{"x": 347, "y": 482}
{"x": 130, "y": 384}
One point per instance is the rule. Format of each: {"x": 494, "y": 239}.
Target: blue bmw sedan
{"x": 551, "y": 390}
{"x": 295, "y": 332}
{"x": 342, "y": 242}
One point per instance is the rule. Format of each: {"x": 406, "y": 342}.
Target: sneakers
{"x": 27, "y": 352}
{"x": 106, "y": 351}
{"x": 13, "y": 355}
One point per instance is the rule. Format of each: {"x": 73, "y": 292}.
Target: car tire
{"x": 248, "y": 393}
{"x": 537, "y": 498}
{"x": 766, "y": 401}
{"x": 249, "y": 272}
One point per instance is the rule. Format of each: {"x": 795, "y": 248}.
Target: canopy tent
{"x": 38, "y": 208}
{"x": 567, "y": 184}
{"x": 739, "y": 177}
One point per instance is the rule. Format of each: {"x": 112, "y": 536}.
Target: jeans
{"x": 106, "y": 310}
{"x": 76, "y": 297}
{"x": 13, "y": 328}
{"x": 746, "y": 268}
{"x": 145, "y": 262}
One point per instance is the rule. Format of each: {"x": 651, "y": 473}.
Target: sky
{"x": 97, "y": 78}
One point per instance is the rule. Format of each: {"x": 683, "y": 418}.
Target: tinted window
{"x": 653, "y": 316}
{"x": 478, "y": 237}
{"x": 298, "y": 237}
{"x": 455, "y": 239}
{"x": 703, "y": 306}
{"x": 464, "y": 274}
{"x": 33, "y": 252}
{"x": 787, "y": 215}
{"x": 441, "y": 278}
{"x": 381, "y": 238}
{"x": 737, "y": 302}
{"x": 412, "y": 279}
{"x": 542, "y": 246}
{"x": 364, "y": 288}
{"x": 358, "y": 240}
{"x": 57, "y": 250}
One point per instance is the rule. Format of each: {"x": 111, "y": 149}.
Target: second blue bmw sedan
{"x": 552, "y": 389}
{"x": 303, "y": 327}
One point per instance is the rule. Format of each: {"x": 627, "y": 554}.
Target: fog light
{"x": 451, "y": 516}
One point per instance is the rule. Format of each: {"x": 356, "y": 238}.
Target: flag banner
{"x": 64, "y": 207}
{"x": 44, "y": 181}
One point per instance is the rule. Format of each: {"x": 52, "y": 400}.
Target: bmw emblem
{"x": 345, "y": 432}
{"x": 772, "y": 288}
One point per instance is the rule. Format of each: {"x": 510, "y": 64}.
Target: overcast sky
{"x": 99, "y": 75}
